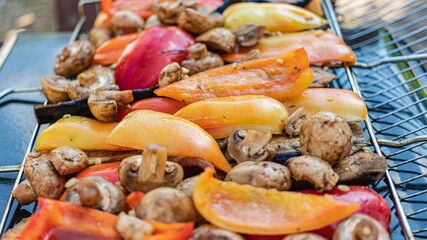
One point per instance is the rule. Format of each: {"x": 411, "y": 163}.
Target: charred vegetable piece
{"x": 221, "y": 116}
{"x": 252, "y": 210}
{"x": 362, "y": 227}
{"x": 250, "y": 146}
{"x": 197, "y": 22}
{"x": 219, "y": 39}
{"x": 125, "y": 22}
{"x": 321, "y": 47}
{"x": 207, "y": 232}
{"x": 327, "y": 136}
{"x": 55, "y": 88}
{"x": 267, "y": 175}
{"x": 104, "y": 104}
{"x": 68, "y": 160}
{"x": 274, "y": 16}
{"x": 96, "y": 192}
{"x": 280, "y": 78}
{"x": 181, "y": 137}
{"x": 149, "y": 172}
{"x": 74, "y": 58}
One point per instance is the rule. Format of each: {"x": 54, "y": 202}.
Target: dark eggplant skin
{"x": 227, "y": 3}
{"x": 52, "y": 113}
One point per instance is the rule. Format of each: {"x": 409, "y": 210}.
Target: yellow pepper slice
{"x": 252, "y": 210}
{"x": 281, "y": 17}
{"x": 180, "y": 136}
{"x": 220, "y": 116}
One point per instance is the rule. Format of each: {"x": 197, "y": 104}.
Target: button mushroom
{"x": 250, "y": 146}
{"x": 41, "y": 174}
{"x": 197, "y": 22}
{"x": 249, "y": 35}
{"x": 295, "y": 121}
{"x": 168, "y": 12}
{"x": 171, "y": 73}
{"x": 125, "y": 22}
{"x": 13, "y": 233}
{"x": 199, "y": 59}
{"x": 153, "y": 21}
{"x": 55, "y": 88}
{"x": 192, "y": 166}
{"x": 327, "y": 136}
{"x": 99, "y": 35}
{"x": 149, "y": 171}
{"x": 251, "y": 55}
{"x": 360, "y": 227}
{"x": 361, "y": 168}
{"x": 89, "y": 80}
{"x": 219, "y": 39}
{"x": 166, "y": 205}
{"x": 304, "y": 236}
{"x": 313, "y": 170}
{"x": 24, "y": 193}
{"x": 74, "y": 58}
{"x": 321, "y": 77}
{"x": 210, "y": 232}
{"x": 187, "y": 187}
{"x": 96, "y": 192}
{"x": 68, "y": 160}
{"x": 104, "y": 105}
{"x": 261, "y": 174}
{"x": 133, "y": 228}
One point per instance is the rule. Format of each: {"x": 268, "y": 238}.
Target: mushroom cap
{"x": 24, "y": 193}
{"x": 87, "y": 81}
{"x": 250, "y": 146}
{"x": 167, "y": 12}
{"x": 55, "y": 88}
{"x": 170, "y": 73}
{"x": 187, "y": 186}
{"x": 295, "y": 121}
{"x": 219, "y": 39}
{"x": 74, "y": 58}
{"x": 99, "y": 35}
{"x": 250, "y": 34}
{"x": 68, "y": 160}
{"x": 192, "y": 166}
{"x": 104, "y": 105}
{"x": 125, "y": 22}
{"x": 196, "y": 22}
{"x": 261, "y": 174}
{"x": 166, "y": 205}
{"x": 359, "y": 226}
{"x": 327, "y": 136}
{"x": 208, "y": 231}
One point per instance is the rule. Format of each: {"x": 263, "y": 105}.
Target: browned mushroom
{"x": 304, "y": 236}
{"x": 24, "y": 193}
{"x": 198, "y": 22}
{"x": 125, "y": 22}
{"x": 99, "y": 35}
{"x": 133, "y": 228}
{"x": 321, "y": 77}
{"x": 68, "y": 160}
{"x": 104, "y": 105}
{"x": 219, "y": 39}
{"x": 210, "y": 232}
{"x": 251, "y": 55}
{"x": 153, "y": 21}
{"x": 55, "y": 88}
{"x": 167, "y": 12}
{"x": 327, "y": 136}
{"x": 15, "y": 230}
{"x": 149, "y": 171}
{"x": 361, "y": 168}
{"x": 192, "y": 166}
{"x": 250, "y": 146}
{"x": 96, "y": 192}
{"x": 249, "y": 35}
{"x": 199, "y": 59}
{"x": 74, "y": 58}
{"x": 45, "y": 181}
{"x": 313, "y": 170}
{"x": 89, "y": 80}
{"x": 172, "y": 73}
{"x": 295, "y": 121}
{"x": 261, "y": 174}
{"x": 360, "y": 227}
{"x": 166, "y": 205}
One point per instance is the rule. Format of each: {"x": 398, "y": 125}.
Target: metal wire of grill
{"x": 395, "y": 93}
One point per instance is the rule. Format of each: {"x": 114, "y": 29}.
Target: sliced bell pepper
{"x": 371, "y": 204}
{"x": 133, "y": 199}
{"x": 170, "y": 231}
{"x": 110, "y": 52}
{"x": 140, "y": 7}
{"x": 252, "y": 210}
{"x": 220, "y": 116}
{"x": 141, "y": 62}
{"x": 158, "y": 104}
{"x": 62, "y": 220}
{"x": 315, "y": 6}
{"x": 106, "y": 170}
{"x": 280, "y": 78}
{"x": 79, "y": 132}
{"x": 274, "y": 16}
{"x": 321, "y": 46}
{"x": 180, "y": 136}
{"x": 343, "y": 102}
{"x": 102, "y": 20}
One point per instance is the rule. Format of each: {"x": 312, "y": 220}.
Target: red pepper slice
{"x": 107, "y": 170}
{"x": 158, "y": 104}
{"x": 132, "y": 200}
{"x": 172, "y": 231}
{"x": 140, "y": 7}
{"x": 142, "y": 60}
{"x": 109, "y": 52}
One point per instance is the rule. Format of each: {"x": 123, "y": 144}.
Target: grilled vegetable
{"x": 110, "y": 51}
{"x": 74, "y": 58}
{"x": 107, "y": 170}
{"x": 165, "y": 105}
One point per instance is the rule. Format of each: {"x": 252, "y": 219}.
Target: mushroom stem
{"x": 254, "y": 141}
{"x": 153, "y": 164}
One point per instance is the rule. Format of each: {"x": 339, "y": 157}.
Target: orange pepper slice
{"x": 110, "y": 51}
{"x": 180, "y": 136}
{"x": 280, "y": 78}
{"x": 252, "y": 210}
